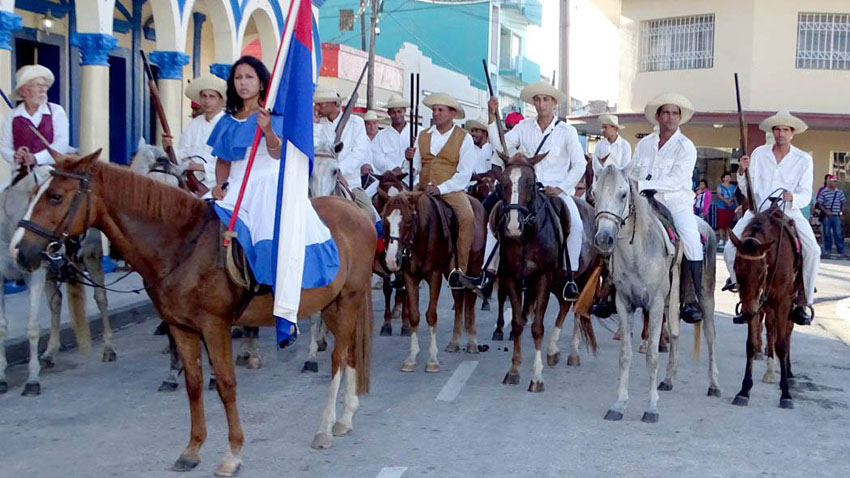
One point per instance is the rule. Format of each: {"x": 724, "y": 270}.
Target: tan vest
{"x": 439, "y": 168}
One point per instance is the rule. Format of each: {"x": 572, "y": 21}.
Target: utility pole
{"x": 370, "y": 78}
{"x": 564, "y": 57}
{"x": 363, "y": 24}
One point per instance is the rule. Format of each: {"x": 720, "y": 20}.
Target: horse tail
{"x": 77, "y": 307}
{"x": 363, "y": 343}
{"x": 697, "y": 329}
{"x": 587, "y": 335}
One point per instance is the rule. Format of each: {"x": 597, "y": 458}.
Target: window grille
{"x": 680, "y": 43}
{"x": 823, "y": 41}
{"x": 841, "y": 165}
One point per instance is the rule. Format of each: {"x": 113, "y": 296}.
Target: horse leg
{"x": 498, "y": 334}
{"x": 189, "y": 348}
{"x": 346, "y": 338}
{"x": 324, "y": 435}
{"x": 788, "y": 352}
{"x": 770, "y": 372}
{"x": 457, "y": 328}
{"x": 664, "y": 342}
{"x": 387, "y": 288}
{"x": 615, "y": 413}
{"x": 398, "y": 310}
{"x": 759, "y": 346}
{"x": 743, "y": 396}
{"x": 53, "y": 293}
{"x": 170, "y": 382}
{"x": 322, "y": 341}
{"x": 469, "y": 322}
{"x": 94, "y": 266}
{"x": 513, "y": 291}
{"x": 4, "y": 385}
{"x": 255, "y": 361}
{"x": 553, "y": 353}
{"x": 433, "y": 365}
{"x": 783, "y": 336}
{"x": 244, "y": 353}
{"x": 672, "y": 358}
{"x": 538, "y": 311}
{"x": 412, "y": 312}
{"x": 656, "y": 317}
{"x": 710, "y": 335}
{"x": 311, "y": 365}
{"x": 644, "y": 333}
{"x": 36, "y": 286}
{"x": 218, "y": 344}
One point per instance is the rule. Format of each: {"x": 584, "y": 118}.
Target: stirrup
{"x": 691, "y": 312}
{"x": 730, "y": 286}
{"x": 570, "y": 292}
{"x": 455, "y": 279}
{"x": 799, "y": 316}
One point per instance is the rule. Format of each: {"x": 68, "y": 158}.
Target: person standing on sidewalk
{"x": 831, "y": 203}
{"x": 726, "y": 204}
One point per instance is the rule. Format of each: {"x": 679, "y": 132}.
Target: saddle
{"x": 790, "y": 228}
{"x": 448, "y": 222}
{"x": 666, "y": 218}
{"x": 232, "y": 258}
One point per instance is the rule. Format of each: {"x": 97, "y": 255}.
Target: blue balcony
{"x": 520, "y": 68}
{"x": 532, "y": 10}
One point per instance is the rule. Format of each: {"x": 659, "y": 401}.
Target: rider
{"x": 444, "y": 157}
{"x": 663, "y": 165}
{"x": 559, "y": 172}
{"x": 782, "y": 169}
{"x": 613, "y": 149}
{"x": 483, "y": 149}
{"x": 389, "y": 145}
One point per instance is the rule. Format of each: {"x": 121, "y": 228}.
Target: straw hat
{"x": 28, "y": 73}
{"x": 435, "y": 99}
{"x": 326, "y": 94}
{"x": 370, "y": 116}
{"x": 541, "y": 88}
{"x": 205, "y": 82}
{"x": 474, "y": 124}
{"x": 784, "y": 118}
{"x": 610, "y": 120}
{"x": 669, "y": 99}
{"x": 397, "y": 101}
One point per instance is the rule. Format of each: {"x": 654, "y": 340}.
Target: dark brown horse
{"x": 528, "y": 224}
{"x": 418, "y": 246}
{"x": 173, "y": 240}
{"x": 768, "y": 268}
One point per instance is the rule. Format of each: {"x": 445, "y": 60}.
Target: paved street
{"x": 98, "y": 419}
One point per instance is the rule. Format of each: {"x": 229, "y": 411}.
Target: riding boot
{"x": 800, "y": 313}
{"x": 730, "y": 286}
{"x": 605, "y": 307}
{"x": 570, "y": 292}
{"x": 287, "y": 332}
{"x": 692, "y": 311}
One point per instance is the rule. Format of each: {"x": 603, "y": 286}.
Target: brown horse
{"x": 173, "y": 240}
{"x": 418, "y": 245}
{"x": 768, "y": 270}
{"x": 527, "y": 222}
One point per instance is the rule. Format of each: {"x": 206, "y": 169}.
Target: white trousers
{"x": 811, "y": 250}
{"x": 688, "y": 229}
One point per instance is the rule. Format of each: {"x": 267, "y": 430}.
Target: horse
{"x": 14, "y": 201}
{"x": 768, "y": 270}
{"x": 418, "y": 246}
{"x": 173, "y": 240}
{"x": 645, "y": 269}
{"x": 528, "y": 225}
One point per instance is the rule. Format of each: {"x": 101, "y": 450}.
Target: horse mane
{"x": 761, "y": 229}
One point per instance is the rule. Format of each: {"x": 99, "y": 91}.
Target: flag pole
{"x": 278, "y": 63}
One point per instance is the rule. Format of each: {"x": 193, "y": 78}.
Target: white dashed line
{"x": 392, "y": 472}
{"x": 452, "y": 388}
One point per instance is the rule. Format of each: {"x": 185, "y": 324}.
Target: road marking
{"x": 392, "y": 472}
{"x": 452, "y": 388}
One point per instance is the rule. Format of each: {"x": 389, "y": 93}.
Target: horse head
{"x": 751, "y": 269}
{"x": 519, "y": 192}
{"x": 614, "y": 204}
{"x": 399, "y": 221}
{"x": 60, "y": 209}
{"x": 151, "y": 160}
{"x": 326, "y": 173}
{"x": 389, "y": 185}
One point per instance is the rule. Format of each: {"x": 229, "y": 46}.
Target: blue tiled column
{"x": 170, "y": 85}
{"x": 221, "y": 70}
{"x": 94, "y": 90}
{"x": 9, "y": 24}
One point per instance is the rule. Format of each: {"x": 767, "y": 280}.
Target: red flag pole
{"x": 257, "y": 134}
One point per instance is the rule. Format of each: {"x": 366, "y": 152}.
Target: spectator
{"x": 726, "y": 205}
{"x": 702, "y": 200}
{"x": 831, "y": 204}
{"x": 820, "y": 189}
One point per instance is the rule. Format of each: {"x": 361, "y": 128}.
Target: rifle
{"x": 192, "y": 182}
{"x": 349, "y": 107}
{"x": 750, "y": 198}
{"x": 499, "y": 124}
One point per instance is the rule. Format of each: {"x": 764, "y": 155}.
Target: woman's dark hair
{"x": 703, "y": 181}
{"x": 725, "y": 173}
{"x": 234, "y": 101}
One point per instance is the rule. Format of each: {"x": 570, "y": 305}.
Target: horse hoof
{"x": 642, "y": 348}
{"x": 405, "y": 331}
{"x": 498, "y": 336}
{"x": 741, "y": 401}
{"x": 254, "y": 363}
{"x": 212, "y": 384}
{"x": 31, "y": 389}
{"x": 553, "y": 359}
{"x": 786, "y": 403}
{"x": 408, "y": 366}
{"x": 485, "y": 306}
{"x": 340, "y": 429}
{"x": 663, "y": 348}
{"x": 649, "y": 417}
{"x": 713, "y": 392}
{"x": 4, "y": 387}
{"x": 185, "y": 463}
{"x": 321, "y": 441}
{"x": 665, "y": 386}
{"x": 229, "y": 467}
{"x": 310, "y": 366}
{"x": 758, "y": 356}
{"x": 472, "y": 348}
{"x": 768, "y": 377}
{"x": 613, "y": 416}
{"x": 573, "y": 361}
{"x": 322, "y": 345}
{"x": 167, "y": 387}
{"x": 386, "y": 330}
{"x": 511, "y": 378}
{"x": 535, "y": 387}
{"x": 452, "y": 348}
{"x": 432, "y": 367}
{"x": 511, "y": 335}
{"x": 46, "y": 362}
{"x": 109, "y": 356}
{"x": 242, "y": 360}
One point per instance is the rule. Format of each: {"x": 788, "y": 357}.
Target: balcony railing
{"x": 532, "y": 10}
{"x": 521, "y": 68}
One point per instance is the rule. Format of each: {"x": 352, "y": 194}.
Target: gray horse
{"x": 14, "y": 201}
{"x": 645, "y": 268}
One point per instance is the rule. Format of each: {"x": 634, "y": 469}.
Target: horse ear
{"x": 603, "y": 158}
{"x": 588, "y": 157}
{"x": 504, "y": 157}
{"x": 401, "y": 176}
{"x": 86, "y": 161}
{"x": 57, "y": 156}
{"x": 537, "y": 158}
{"x": 734, "y": 239}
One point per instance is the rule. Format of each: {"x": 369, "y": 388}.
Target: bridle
{"x": 406, "y": 242}
{"x": 527, "y": 214}
{"x": 164, "y": 166}
{"x": 620, "y": 219}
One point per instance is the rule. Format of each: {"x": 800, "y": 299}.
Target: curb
{"x": 17, "y": 351}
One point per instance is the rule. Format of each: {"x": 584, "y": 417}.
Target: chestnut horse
{"x": 768, "y": 270}
{"x": 418, "y": 246}
{"x": 173, "y": 240}
{"x": 528, "y": 224}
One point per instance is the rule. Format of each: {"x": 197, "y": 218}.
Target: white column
{"x": 170, "y": 85}
{"x": 9, "y": 24}
{"x": 94, "y": 91}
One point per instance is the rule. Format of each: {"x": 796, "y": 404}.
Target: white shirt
{"x": 465, "y": 165}
{"x": 668, "y": 170}
{"x": 619, "y": 154}
{"x": 795, "y": 173}
{"x": 484, "y": 161}
{"x": 563, "y": 167}
{"x": 193, "y": 142}
{"x": 355, "y": 151}
{"x": 388, "y": 149}
{"x": 60, "y": 132}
